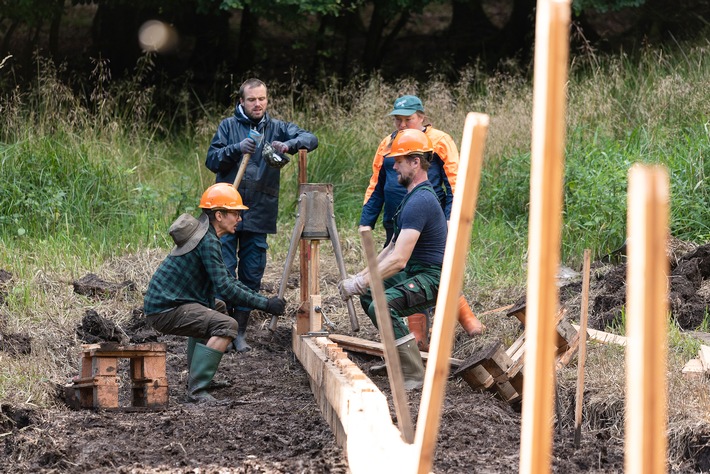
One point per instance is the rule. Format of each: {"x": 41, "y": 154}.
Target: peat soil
{"x": 273, "y": 424}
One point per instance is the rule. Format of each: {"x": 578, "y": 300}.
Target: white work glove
{"x": 352, "y": 286}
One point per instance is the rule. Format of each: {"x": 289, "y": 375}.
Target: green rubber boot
{"x": 202, "y": 369}
{"x": 240, "y": 343}
{"x": 191, "y": 341}
{"x": 411, "y": 361}
{"x": 214, "y": 384}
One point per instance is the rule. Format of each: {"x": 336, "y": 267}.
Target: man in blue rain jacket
{"x": 248, "y": 132}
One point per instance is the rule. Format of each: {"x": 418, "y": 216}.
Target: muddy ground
{"x": 273, "y": 424}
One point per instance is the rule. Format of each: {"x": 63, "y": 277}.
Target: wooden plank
{"x": 566, "y": 333}
{"x": 604, "y": 337}
{"x": 356, "y": 344}
{"x": 384, "y": 324}
{"x": 497, "y": 310}
{"x": 647, "y": 320}
{"x": 693, "y": 368}
{"x": 445, "y": 317}
{"x": 564, "y": 359}
{"x": 704, "y": 356}
{"x": 515, "y": 351}
{"x": 478, "y": 378}
{"x": 546, "y": 190}
{"x": 356, "y": 410}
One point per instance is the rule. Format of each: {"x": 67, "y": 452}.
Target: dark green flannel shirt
{"x": 197, "y": 277}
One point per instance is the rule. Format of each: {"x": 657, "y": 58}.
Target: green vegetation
{"x": 89, "y": 180}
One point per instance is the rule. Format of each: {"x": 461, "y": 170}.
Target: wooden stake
{"x": 647, "y": 320}
{"x": 582, "y": 349}
{"x": 547, "y": 166}
{"x": 304, "y": 248}
{"x": 384, "y": 323}
{"x": 445, "y": 316}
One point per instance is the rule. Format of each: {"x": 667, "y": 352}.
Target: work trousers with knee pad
{"x": 410, "y": 291}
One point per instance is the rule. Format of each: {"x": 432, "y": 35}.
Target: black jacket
{"x": 259, "y": 187}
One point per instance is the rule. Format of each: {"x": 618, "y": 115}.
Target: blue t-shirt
{"x": 422, "y": 212}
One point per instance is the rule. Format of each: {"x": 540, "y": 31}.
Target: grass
{"x": 99, "y": 175}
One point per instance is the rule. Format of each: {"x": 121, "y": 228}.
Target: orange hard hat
{"x": 222, "y": 196}
{"x": 410, "y": 141}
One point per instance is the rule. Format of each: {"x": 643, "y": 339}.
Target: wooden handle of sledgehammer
{"x": 241, "y": 170}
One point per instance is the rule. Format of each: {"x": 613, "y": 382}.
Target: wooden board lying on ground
{"x": 357, "y": 344}
{"x": 699, "y": 367}
{"x": 604, "y": 337}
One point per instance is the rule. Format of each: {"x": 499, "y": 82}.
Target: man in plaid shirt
{"x": 181, "y": 295}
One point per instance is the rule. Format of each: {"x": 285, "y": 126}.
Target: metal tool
{"x": 326, "y": 321}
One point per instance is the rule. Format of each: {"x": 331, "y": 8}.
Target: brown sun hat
{"x": 187, "y": 232}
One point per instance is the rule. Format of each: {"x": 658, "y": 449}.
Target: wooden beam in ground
{"x": 384, "y": 324}
{"x": 582, "y": 331}
{"x": 445, "y": 316}
{"x": 647, "y": 321}
{"x": 357, "y": 344}
{"x": 603, "y": 337}
{"x": 356, "y": 410}
{"x": 546, "y": 181}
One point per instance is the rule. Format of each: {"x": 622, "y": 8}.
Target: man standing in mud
{"x": 410, "y": 265}
{"x": 243, "y": 138}
{"x": 182, "y": 294}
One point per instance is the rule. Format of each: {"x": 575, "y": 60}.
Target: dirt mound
{"x": 689, "y": 291}
{"x": 95, "y": 329}
{"x": 93, "y": 285}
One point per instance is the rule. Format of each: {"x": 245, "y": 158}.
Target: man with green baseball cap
{"x": 384, "y": 193}
{"x": 407, "y": 105}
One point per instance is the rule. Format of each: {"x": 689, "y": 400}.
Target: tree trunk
{"x": 246, "y": 53}
{"x": 378, "y": 22}
{"x": 5, "y": 48}
{"x": 376, "y": 41}
{"x": 54, "y": 28}
{"x": 387, "y": 40}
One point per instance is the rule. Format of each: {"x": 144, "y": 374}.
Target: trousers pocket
{"x": 415, "y": 291}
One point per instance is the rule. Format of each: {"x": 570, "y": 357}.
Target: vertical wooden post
{"x": 445, "y": 317}
{"x": 547, "y": 166}
{"x": 384, "y": 323}
{"x": 304, "y": 255}
{"x": 647, "y": 320}
{"x": 582, "y": 357}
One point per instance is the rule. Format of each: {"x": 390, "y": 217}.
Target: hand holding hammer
{"x": 247, "y": 147}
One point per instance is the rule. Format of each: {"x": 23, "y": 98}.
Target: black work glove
{"x": 276, "y": 306}
{"x": 247, "y": 145}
